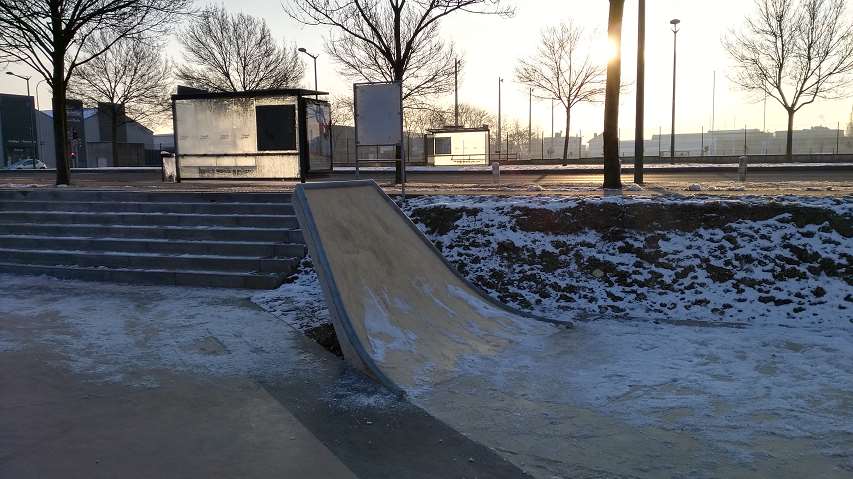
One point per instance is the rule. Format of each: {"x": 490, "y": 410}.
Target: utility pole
{"x": 500, "y": 80}
{"x": 456, "y": 92}
{"x": 530, "y": 125}
{"x": 551, "y": 141}
{"x": 675, "y": 29}
{"x": 764, "y": 128}
{"x": 713, "y": 110}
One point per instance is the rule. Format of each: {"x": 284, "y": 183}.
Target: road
{"x": 843, "y": 176}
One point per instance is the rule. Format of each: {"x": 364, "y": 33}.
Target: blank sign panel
{"x": 378, "y": 113}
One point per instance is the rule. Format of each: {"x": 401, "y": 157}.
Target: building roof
{"x": 250, "y": 94}
{"x": 87, "y": 113}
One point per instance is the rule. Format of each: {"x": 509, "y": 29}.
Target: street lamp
{"x": 32, "y": 117}
{"x": 675, "y": 29}
{"x": 316, "y": 96}
{"x": 38, "y": 106}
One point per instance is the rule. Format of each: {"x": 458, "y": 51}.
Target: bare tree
{"x": 392, "y": 40}
{"x": 794, "y": 51}
{"x": 51, "y": 37}
{"x": 235, "y": 52}
{"x": 565, "y": 70}
{"x": 612, "y": 167}
{"x": 342, "y": 110}
{"x": 133, "y": 75}
{"x": 470, "y": 116}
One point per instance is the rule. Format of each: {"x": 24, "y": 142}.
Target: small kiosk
{"x": 456, "y": 146}
{"x": 256, "y": 135}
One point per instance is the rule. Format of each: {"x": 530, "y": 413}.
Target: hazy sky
{"x": 492, "y": 45}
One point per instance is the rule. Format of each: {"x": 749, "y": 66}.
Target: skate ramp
{"x": 402, "y": 314}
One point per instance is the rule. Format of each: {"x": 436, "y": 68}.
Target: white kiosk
{"x": 456, "y": 146}
{"x": 263, "y": 134}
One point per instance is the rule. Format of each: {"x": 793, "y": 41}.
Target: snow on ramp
{"x": 402, "y": 314}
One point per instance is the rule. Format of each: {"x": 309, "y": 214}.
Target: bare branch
{"x": 236, "y": 52}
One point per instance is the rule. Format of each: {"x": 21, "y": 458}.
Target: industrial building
{"x": 18, "y": 135}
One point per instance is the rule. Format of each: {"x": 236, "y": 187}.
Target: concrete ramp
{"x": 401, "y": 313}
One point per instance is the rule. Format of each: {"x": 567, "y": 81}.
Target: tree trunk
{"x": 789, "y": 144}
{"x": 612, "y": 173}
{"x": 60, "y": 122}
{"x": 639, "y": 135}
{"x": 566, "y": 141}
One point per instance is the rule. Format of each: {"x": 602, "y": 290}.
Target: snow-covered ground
{"x": 784, "y": 259}
{"x": 714, "y": 337}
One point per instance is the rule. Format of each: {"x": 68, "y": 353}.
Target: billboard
{"x": 378, "y": 113}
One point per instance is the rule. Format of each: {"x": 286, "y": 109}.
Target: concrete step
{"x": 159, "y": 219}
{"x": 136, "y": 196}
{"x": 213, "y": 279}
{"x": 180, "y": 233}
{"x": 145, "y": 261}
{"x": 154, "y": 246}
{"x": 215, "y": 208}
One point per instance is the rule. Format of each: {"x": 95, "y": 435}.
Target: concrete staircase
{"x": 231, "y": 240}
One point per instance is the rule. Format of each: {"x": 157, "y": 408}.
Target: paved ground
{"x": 102, "y": 380}
{"x": 801, "y": 181}
{"x": 619, "y": 397}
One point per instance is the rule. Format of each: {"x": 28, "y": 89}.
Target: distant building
{"x": 18, "y": 132}
{"x": 817, "y": 140}
{"x": 850, "y": 125}
{"x": 90, "y": 133}
{"x": 554, "y": 147}
{"x": 164, "y": 142}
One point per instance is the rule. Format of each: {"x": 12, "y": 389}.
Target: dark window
{"x": 276, "y": 127}
{"x": 442, "y": 146}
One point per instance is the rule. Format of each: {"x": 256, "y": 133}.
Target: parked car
{"x": 27, "y": 164}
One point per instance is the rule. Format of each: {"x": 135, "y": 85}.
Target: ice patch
{"x": 384, "y": 336}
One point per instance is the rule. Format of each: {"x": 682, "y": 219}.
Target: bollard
{"x": 496, "y": 172}
{"x": 169, "y": 168}
{"x": 741, "y": 170}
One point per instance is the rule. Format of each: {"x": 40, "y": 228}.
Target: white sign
{"x": 378, "y": 113}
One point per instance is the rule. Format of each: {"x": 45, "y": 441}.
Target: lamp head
{"x": 675, "y": 21}
{"x": 303, "y": 50}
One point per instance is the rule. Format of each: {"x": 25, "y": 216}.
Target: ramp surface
{"x": 401, "y": 312}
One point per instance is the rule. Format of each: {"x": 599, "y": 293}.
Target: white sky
{"x": 492, "y": 46}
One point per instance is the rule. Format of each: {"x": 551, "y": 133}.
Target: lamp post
{"x": 675, "y": 29}
{"x": 316, "y": 95}
{"x": 32, "y": 117}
